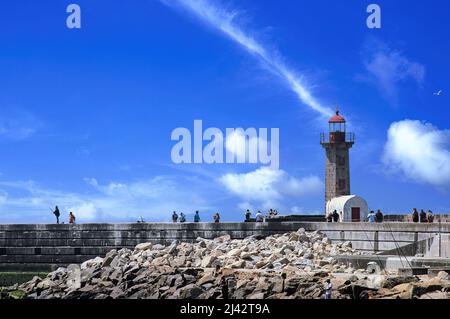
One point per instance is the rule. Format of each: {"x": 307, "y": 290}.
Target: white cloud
{"x": 268, "y": 187}
{"x": 154, "y": 199}
{"x": 226, "y": 21}
{"x": 387, "y": 68}
{"x": 420, "y": 151}
{"x": 17, "y": 125}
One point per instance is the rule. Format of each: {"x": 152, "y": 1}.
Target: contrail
{"x": 223, "y": 20}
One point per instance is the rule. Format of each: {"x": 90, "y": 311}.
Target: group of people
{"x": 375, "y": 218}
{"x": 422, "y": 217}
{"x": 182, "y": 217}
{"x": 334, "y": 217}
{"x": 259, "y": 218}
{"x": 58, "y": 214}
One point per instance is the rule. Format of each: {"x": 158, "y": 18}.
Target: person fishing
{"x": 57, "y": 214}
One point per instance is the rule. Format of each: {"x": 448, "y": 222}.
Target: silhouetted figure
{"x": 174, "y": 217}
{"x": 335, "y": 217}
{"x": 247, "y": 216}
{"x": 430, "y": 216}
{"x": 216, "y": 218}
{"x": 182, "y": 218}
{"x": 379, "y": 217}
{"x": 330, "y": 218}
{"x": 57, "y": 214}
{"x": 415, "y": 216}
{"x": 197, "y": 217}
{"x": 423, "y": 216}
{"x": 224, "y": 285}
{"x": 71, "y": 218}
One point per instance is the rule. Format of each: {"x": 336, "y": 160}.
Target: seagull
{"x": 438, "y": 93}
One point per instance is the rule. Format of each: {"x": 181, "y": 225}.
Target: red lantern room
{"x": 337, "y": 123}
{"x": 337, "y": 128}
{"x": 337, "y": 131}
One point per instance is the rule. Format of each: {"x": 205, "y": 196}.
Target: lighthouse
{"x": 337, "y": 143}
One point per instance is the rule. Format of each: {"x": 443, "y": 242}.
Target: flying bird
{"x": 438, "y": 93}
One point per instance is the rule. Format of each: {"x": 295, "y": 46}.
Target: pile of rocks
{"x": 293, "y": 265}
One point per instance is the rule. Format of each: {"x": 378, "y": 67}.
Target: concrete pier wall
{"x": 40, "y": 247}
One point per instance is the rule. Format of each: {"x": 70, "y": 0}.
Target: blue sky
{"x": 86, "y": 115}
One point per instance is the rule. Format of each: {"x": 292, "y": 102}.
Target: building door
{"x": 356, "y": 214}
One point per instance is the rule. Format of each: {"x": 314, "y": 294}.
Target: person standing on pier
{"x": 197, "y": 217}
{"x": 71, "y": 218}
{"x": 57, "y": 214}
{"x": 182, "y": 218}
{"x": 415, "y": 215}
{"x": 247, "y": 216}
{"x": 336, "y": 217}
{"x": 174, "y": 217}
{"x": 216, "y": 218}
{"x": 259, "y": 217}
{"x": 430, "y": 216}
{"x": 371, "y": 217}
{"x": 379, "y": 217}
{"x": 423, "y": 216}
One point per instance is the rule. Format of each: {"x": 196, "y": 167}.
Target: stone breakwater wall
{"x": 41, "y": 247}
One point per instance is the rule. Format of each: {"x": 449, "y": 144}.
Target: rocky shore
{"x": 293, "y": 265}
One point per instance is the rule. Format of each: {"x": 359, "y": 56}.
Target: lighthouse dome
{"x": 337, "y": 118}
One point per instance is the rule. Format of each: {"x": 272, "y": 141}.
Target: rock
{"x": 253, "y": 268}
{"x": 73, "y": 277}
{"x": 376, "y": 281}
{"x": 257, "y": 296}
{"x": 190, "y": 292}
{"x": 238, "y": 264}
{"x": 443, "y": 275}
{"x": 428, "y": 286}
{"x": 92, "y": 262}
{"x": 144, "y": 246}
{"x": 347, "y": 244}
{"x": 207, "y": 261}
{"x": 282, "y": 261}
{"x": 392, "y": 282}
{"x": 207, "y": 278}
{"x": 234, "y": 252}
{"x": 109, "y": 258}
{"x": 223, "y": 238}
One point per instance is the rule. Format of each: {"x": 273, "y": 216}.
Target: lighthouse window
{"x": 342, "y": 184}
{"x": 341, "y": 160}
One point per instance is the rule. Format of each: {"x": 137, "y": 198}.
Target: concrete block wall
{"x": 38, "y": 247}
